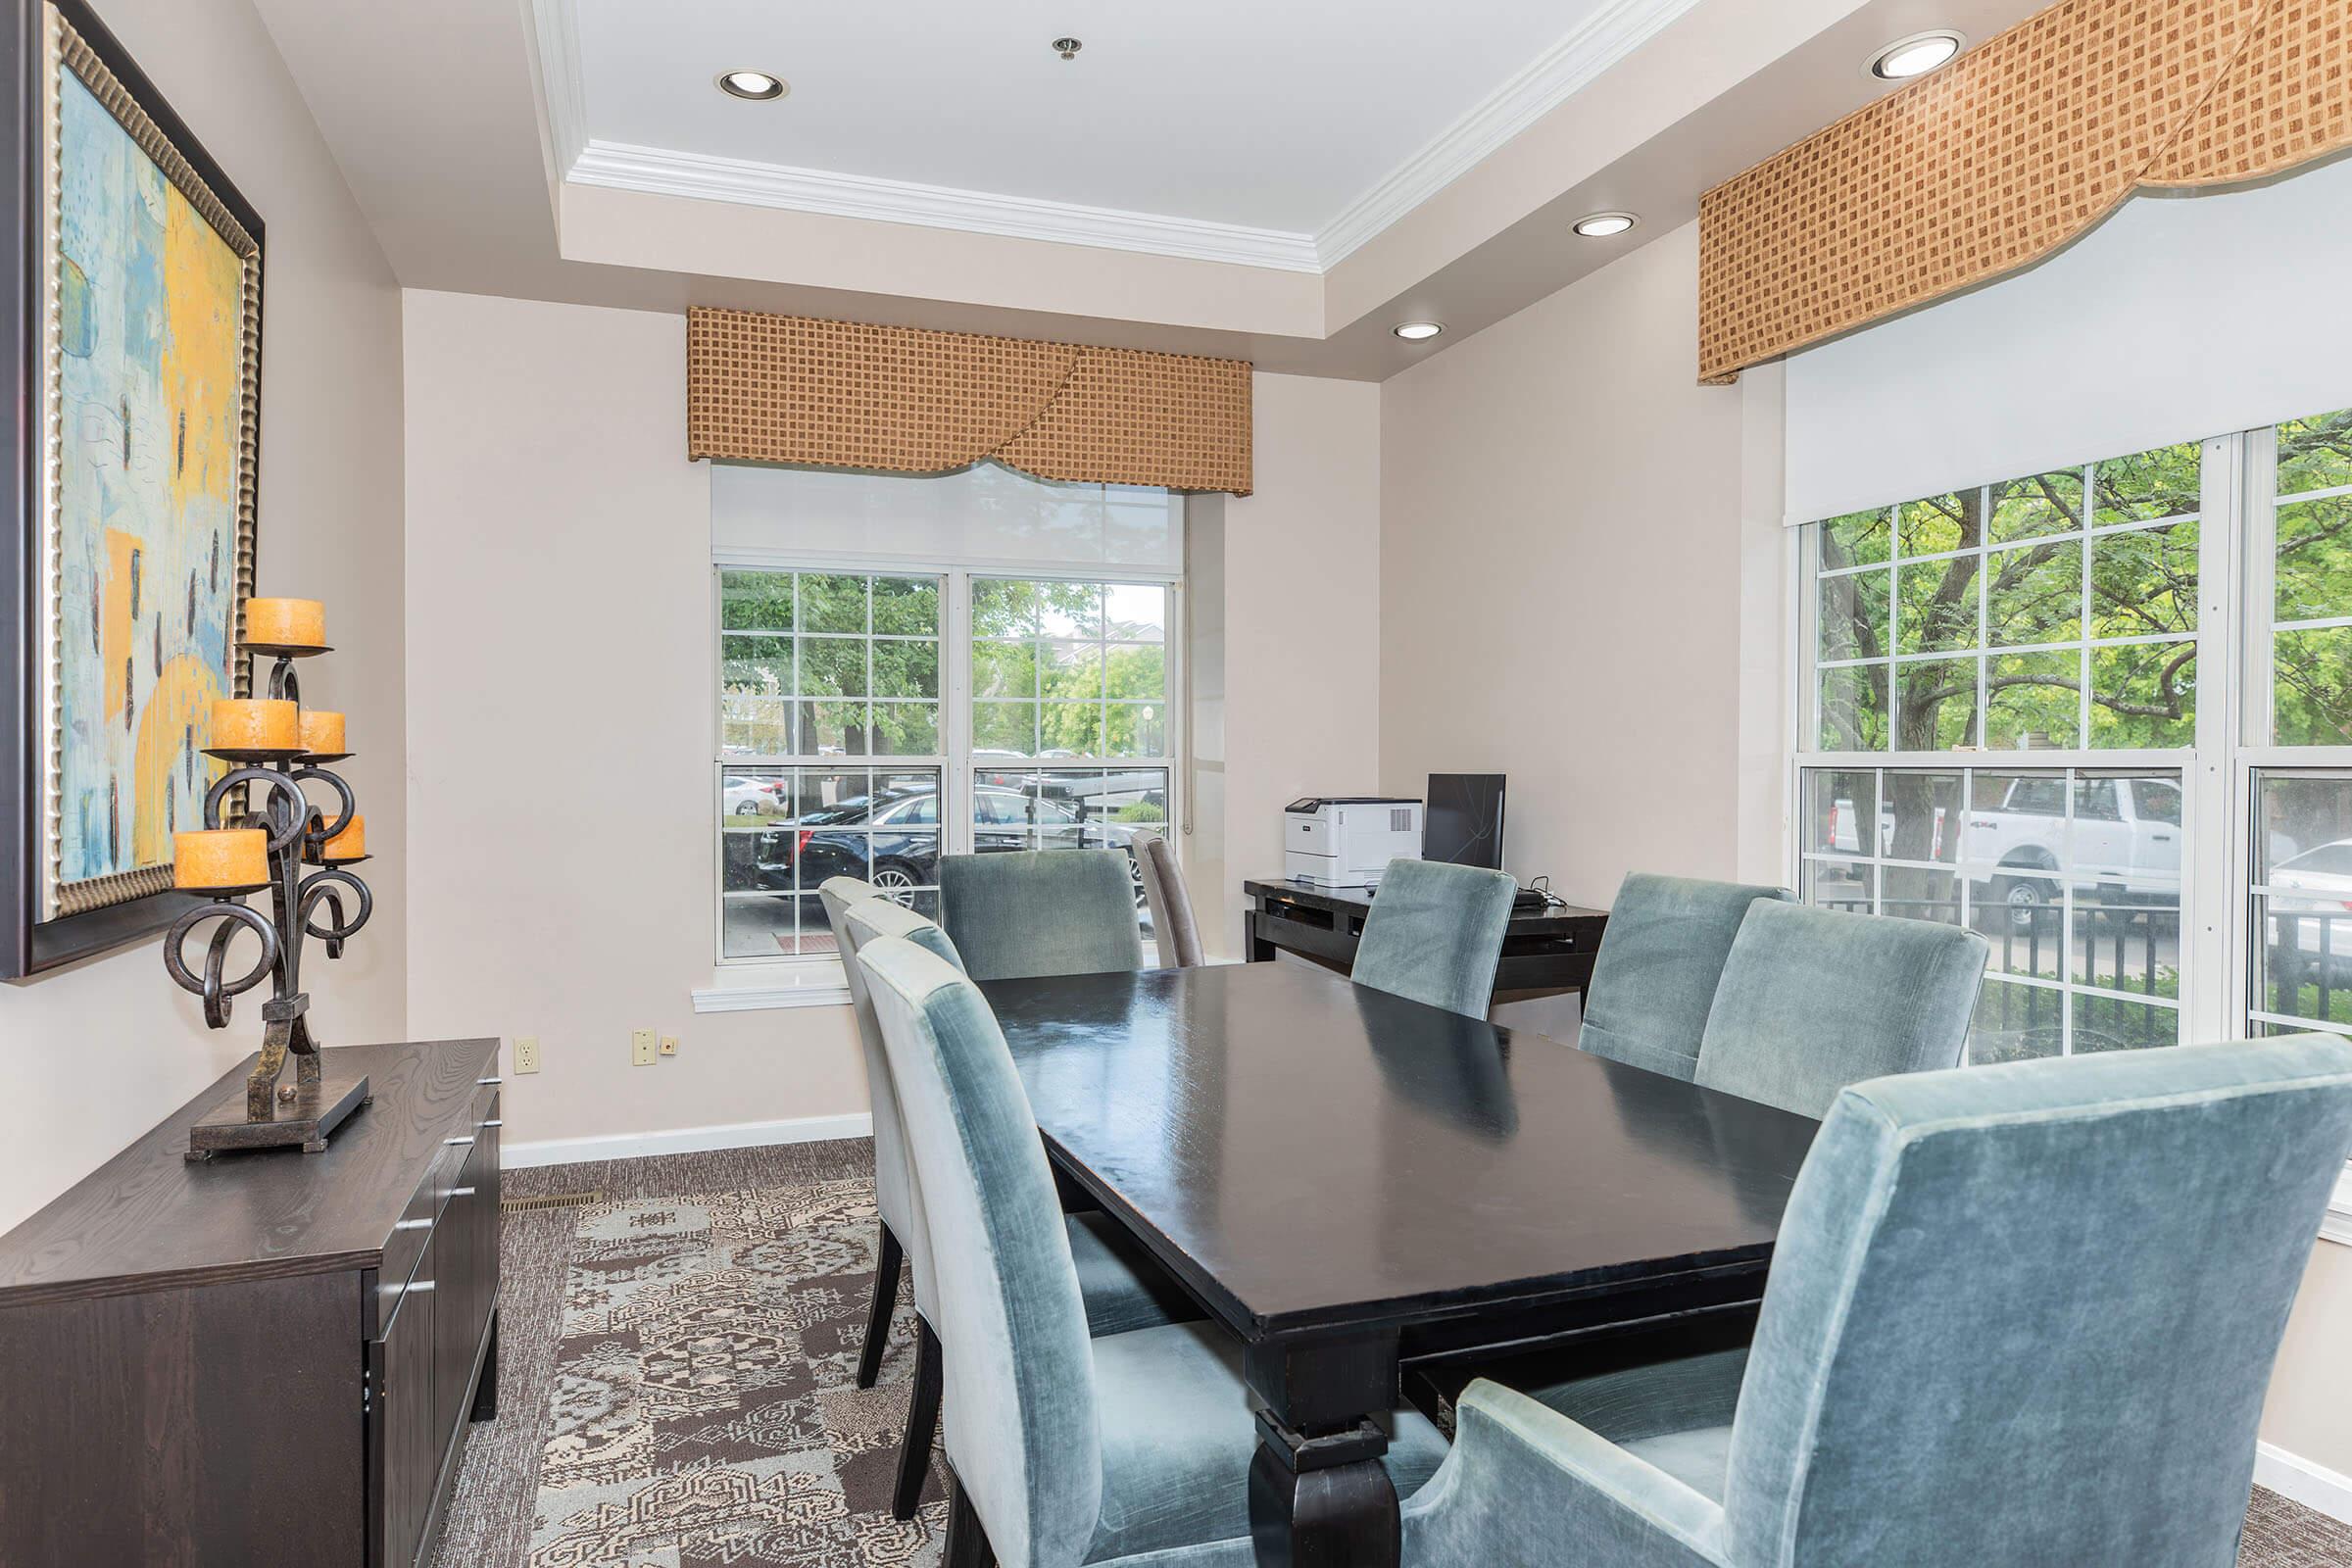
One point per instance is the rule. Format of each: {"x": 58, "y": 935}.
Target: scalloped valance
{"x": 905, "y": 400}
{"x": 2007, "y": 154}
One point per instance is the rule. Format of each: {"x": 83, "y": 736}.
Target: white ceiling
{"x": 1232, "y": 112}
{"x": 481, "y": 147}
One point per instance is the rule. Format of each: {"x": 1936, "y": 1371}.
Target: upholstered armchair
{"x": 1121, "y": 1289}
{"x": 1174, "y": 929}
{"x": 2018, "y": 1314}
{"x": 1654, "y": 977}
{"x": 1435, "y": 933}
{"x": 1040, "y": 913}
{"x": 1121, "y": 1448}
{"x": 1813, "y": 1000}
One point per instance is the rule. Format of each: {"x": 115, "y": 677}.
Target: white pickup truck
{"x": 2125, "y": 847}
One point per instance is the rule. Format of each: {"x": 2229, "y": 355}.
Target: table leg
{"x": 1319, "y": 1495}
{"x": 1259, "y": 950}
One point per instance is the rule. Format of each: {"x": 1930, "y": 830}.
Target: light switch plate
{"x": 641, "y": 1048}
{"x": 526, "y": 1053}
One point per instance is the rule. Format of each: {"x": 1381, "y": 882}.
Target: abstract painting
{"x": 147, "y": 364}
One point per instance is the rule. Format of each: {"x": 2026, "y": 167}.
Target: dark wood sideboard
{"x": 1543, "y": 951}
{"x": 264, "y": 1357}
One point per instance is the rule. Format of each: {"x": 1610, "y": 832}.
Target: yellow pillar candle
{"x": 220, "y": 857}
{"x": 322, "y": 733}
{"x": 287, "y": 623}
{"x": 350, "y": 844}
{"x": 256, "y": 724}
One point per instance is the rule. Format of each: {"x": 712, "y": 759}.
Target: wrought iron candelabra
{"x": 301, "y": 884}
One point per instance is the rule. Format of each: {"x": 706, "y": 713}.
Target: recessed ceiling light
{"x": 1067, "y": 48}
{"x": 1417, "y": 331}
{"x": 757, "y": 85}
{"x": 1915, "y": 55}
{"x": 1601, "y": 225}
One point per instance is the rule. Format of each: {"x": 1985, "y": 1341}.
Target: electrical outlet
{"x": 640, "y": 1049}
{"x": 526, "y": 1053}
{"x": 669, "y": 1044}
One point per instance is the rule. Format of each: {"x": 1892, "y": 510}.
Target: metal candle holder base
{"x": 304, "y": 1112}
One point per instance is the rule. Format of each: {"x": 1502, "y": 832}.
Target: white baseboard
{"x": 686, "y": 1140}
{"x": 2296, "y": 1478}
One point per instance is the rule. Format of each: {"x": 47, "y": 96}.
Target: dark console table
{"x": 265, "y": 1357}
{"x": 1545, "y": 951}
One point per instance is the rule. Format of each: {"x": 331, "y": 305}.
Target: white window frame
{"x": 815, "y": 979}
{"x": 2218, "y": 772}
{"x": 2203, "y": 1005}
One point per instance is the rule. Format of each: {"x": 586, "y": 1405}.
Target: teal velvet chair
{"x": 1435, "y": 933}
{"x": 1813, "y": 1000}
{"x": 2018, "y": 1314}
{"x": 1040, "y": 913}
{"x": 1122, "y": 1448}
{"x": 1654, "y": 977}
{"x": 1122, "y": 1289}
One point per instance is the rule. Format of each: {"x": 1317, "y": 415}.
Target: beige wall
{"x": 2307, "y": 1413}
{"x": 1294, "y": 589}
{"x": 560, "y": 742}
{"x": 92, "y": 1056}
{"x": 1560, "y": 586}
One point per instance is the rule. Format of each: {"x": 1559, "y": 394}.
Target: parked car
{"x": 892, "y": 840}
{"x": 2125, "y": 847}
{"x": 2311, "y": 909}
{"x": 1846, "y": 828}
{"x": 744, "y": 795}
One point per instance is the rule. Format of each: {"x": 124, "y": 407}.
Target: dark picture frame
{"x": 137, "y": 905}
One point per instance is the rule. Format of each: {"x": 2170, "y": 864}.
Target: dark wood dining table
{"x": 1350, "y": 1182}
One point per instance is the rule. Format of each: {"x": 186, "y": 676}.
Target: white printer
{"x": 1349, "y": 840}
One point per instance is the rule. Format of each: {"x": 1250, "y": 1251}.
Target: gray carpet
{"x": 491, "y": 1508}
{"x": 491, "y": 1513}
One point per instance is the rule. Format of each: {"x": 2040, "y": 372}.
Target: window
{"x": 2052, "y": 611}
{"x": 2078, "y": 893}
{"x": 1988, "y": 658}
{"x": 2025, "y": 712}
{"x": 2300, "y": 891}
{"x": 871, "y": 721}
{"x": 818, "y": 673}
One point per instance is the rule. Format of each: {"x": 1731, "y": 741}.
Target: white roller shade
{"x": 2181, "y": 316}
{"x": 985, "y": 516}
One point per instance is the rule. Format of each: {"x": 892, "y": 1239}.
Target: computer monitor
{"x": 1464, "y": 821}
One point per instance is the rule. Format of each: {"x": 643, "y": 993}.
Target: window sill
{"x": 761, "y": 990}
{"x": 2337, "y": 1225}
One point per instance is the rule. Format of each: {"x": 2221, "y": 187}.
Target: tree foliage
{"x": 821, "y": 663}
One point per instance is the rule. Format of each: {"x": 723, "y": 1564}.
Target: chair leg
{"x": 967, "y": 1542}
{"x": 877, "y": 1317}
{"x": 922, "y": 1424}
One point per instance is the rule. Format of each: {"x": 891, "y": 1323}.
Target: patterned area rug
{"x": 703, "y": 1408}
{"x": 701, "y": 1405}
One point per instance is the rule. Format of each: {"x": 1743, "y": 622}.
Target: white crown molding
{"x": 1552, "y": 78}
{"x": 558, "y": 45}
{"x": 660, "y": 172}
{"x": 1599, "y": 41}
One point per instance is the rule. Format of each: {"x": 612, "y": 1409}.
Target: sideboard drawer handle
{"x": 495, "y": 1121}
{"x": 461, "y": 1191}
{"x": 412, "y": 1225}
{"x": 487, "y": 1082}
{"x": 416, "y": 1286}
{"x": 468, "y": 1139}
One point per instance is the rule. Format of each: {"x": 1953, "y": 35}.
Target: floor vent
{"x": 524, "y": 1206}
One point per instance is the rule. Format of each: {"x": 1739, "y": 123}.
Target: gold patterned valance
{"x": 792, "y": 389}
{"x": 2007, "y": 154}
